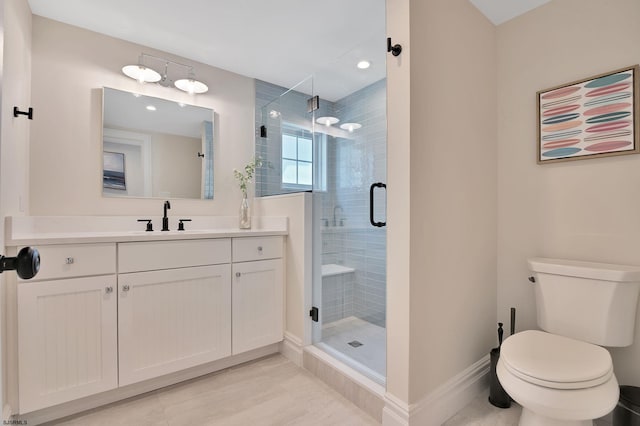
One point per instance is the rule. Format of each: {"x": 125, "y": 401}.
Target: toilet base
{"x": 529, "y": 418}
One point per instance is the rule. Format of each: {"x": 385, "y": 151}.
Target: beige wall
{"x": 453, "y": 191}
{"x": 451, "y": 204}
{"x": 441, "y": 302}
{"x": 177, "y": 167}
{"x": 15, "y": 74}
{"x": 589, "y": 209}
{"x": 16, "y": 91}
{"x": 398, "y": 202}
{"x": 70, "y": 66}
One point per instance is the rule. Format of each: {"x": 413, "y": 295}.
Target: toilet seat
{"x": 555, "y": 362}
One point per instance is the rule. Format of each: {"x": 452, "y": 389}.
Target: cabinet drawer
{"x": 76, "y": 260}
{"x": 256, "y": 248}
{"x": 157, "y": 255}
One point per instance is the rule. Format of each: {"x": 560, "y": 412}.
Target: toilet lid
{"x": 555, "y": 361}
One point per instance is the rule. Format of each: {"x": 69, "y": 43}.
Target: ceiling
{"x": 282, "y": 42}
{"x": 499, "y": 11}
{"x": 124, "y": 110}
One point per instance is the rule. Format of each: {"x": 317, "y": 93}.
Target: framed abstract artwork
{"x": 113, "y": 175}
{"x": 589, "y": 118}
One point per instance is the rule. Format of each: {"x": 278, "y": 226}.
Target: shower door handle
{"x": 371, "y": 203}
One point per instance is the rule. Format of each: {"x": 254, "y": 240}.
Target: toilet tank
{"x": 592, "y": 302}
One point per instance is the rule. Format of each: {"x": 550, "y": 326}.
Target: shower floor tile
{"x": 372, "y": 351}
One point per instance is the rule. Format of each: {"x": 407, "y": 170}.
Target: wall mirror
{"x": 155, "y": 148}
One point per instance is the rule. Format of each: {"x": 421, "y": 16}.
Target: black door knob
{"x": 26, "y": 264}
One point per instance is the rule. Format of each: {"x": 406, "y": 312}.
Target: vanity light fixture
{"x": 191, "y": 85}
{"x": 350, "y": 126}
{"x": 363, "y": 65}
{"x": 144, "y": 74}
{"x": 140, "y": 72}
{"x": 327, "y": 121}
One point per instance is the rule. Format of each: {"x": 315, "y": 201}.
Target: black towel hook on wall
{"x": 394, "y": 49}
{"x": 17, "y": 112}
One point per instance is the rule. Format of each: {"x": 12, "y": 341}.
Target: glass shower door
{"x": 349, "y": 233}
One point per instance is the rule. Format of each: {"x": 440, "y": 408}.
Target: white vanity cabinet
{"x": 67, "y": 319}
{"x": 174, "y": 311}
{"x": 113, "y": 313}
{"x": 257, "y": 292}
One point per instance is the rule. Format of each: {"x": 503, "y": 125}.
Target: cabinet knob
{"x": 237, "y": 274}
{"x": 108, "y": 290}
{"x": 260, "y": 249}
{"x": 125, "y": 287}
{"x": 69, "y": 260}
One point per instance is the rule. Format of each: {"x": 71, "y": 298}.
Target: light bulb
{"x": 141, "y": 75}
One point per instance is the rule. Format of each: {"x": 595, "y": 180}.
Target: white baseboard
{"x": 441, "y": 404}
{"x": 291, "y": 348}
{"x": 395, "y": 411}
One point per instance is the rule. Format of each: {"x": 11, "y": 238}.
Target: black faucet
{"x": 165, "y": 219}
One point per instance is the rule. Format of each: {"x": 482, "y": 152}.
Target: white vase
{"x": 245, "y": 213}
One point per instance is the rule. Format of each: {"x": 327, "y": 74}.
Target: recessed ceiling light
{"x": 363, "y": 65}
{"x": 350, "y": 126}
{"x": 327, "y": 121}
{"x": 151, "y": 108}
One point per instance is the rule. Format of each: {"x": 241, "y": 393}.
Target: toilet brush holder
{"x": 497, "y": 395}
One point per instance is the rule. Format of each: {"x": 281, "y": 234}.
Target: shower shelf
{"x": 332, "y": 269}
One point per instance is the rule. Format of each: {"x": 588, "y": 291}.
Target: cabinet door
{"x": 67, "y": 340}
{"x": 257, "y": 304}
{"x": 173, "y": 319}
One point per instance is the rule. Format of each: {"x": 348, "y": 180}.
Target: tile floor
{"x": 480, "y": 413}
{"x": 268, "y": 391}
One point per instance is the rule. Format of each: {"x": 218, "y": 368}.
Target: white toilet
{"x": 560, "y": 377}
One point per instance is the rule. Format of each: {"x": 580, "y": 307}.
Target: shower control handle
{"x": 371, "y": 204}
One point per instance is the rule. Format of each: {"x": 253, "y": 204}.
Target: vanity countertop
{"x": 44, "y": 230}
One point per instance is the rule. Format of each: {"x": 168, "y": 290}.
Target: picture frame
{"x": 113, "y": 175}
{"x": 590, "y": 118}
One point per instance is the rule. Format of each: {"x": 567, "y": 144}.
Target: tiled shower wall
{"x": 354, "y": 161}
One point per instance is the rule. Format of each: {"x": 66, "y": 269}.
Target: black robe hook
{"x": 395, "y": 49}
